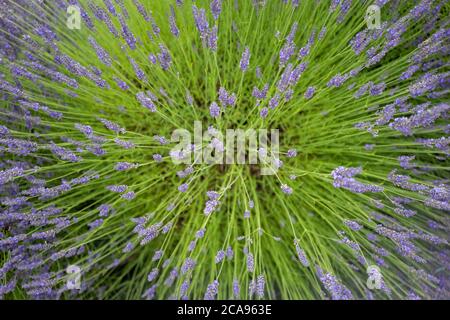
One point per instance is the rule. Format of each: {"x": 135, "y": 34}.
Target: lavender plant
{"x": 87, "y": 176}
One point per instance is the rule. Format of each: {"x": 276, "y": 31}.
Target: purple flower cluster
{"x": 301, "y": 254}
{"x": 212, "y": 204}
{"x": 337, "y": 290}
{"x": 226, "y": 98}
{"x": 212, "y": 290}
{"x": 343, "y": 178}
{"x": 245, "y": 59}
{"x": 77, "y": 187}
{"x": 146, "y": 101}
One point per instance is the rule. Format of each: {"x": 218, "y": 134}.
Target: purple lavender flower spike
{"x": 260, "y": 94}
{"x": 220, "y": 256}
{"x": 97, "y": 223}
{"x": 200, "y": 233}
{"x": 101, "y": 52}
{"x": 183, "y": 187}
{"x": 212, "y": 290}
{"x": 152, "y": 275}
{"x": 104, "y": 210}
{"x": 355, "y": 226}
{"x": 164, "y": 58}
{"x": 127, "y": 34}
{"x": 337, "y": 290}
{"x": 145, "y": 101}
{"x": 236, "y": 289}
{"x": 157, "y": 157}
{"x": 212, "y": 38}
{"x": 310, "y": 92}
{"x": 292, "y": 153}
{"x": 214, "y": 110}
{"x": 210, "y": 207}
{"x": 286, "y": 52}
{"x": 216, "y": 7}
{"x": 250, "y": 263}
{"x": 128, "y": 247}
{"x": 112, "y": 126}
{"x": 117, "y": 188}
{"x": 129, "y": 195}
{"x": 301, "y": 254}
{"x": 158, "y": 255}
{"x": 173, "y": 24}
{"x": 188, "y": 265}
{"x": 264, "y": 112}
{"x": 201, "y": 22}
{"x": 230, "y": 253}
{"x": 286, "y": 189}
{"x": 343, "y": 178}
{"x": 245, "y": 60}
{"x": 260, "y": 284}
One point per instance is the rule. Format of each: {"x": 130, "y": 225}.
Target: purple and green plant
{"x": 86, "y": 171}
